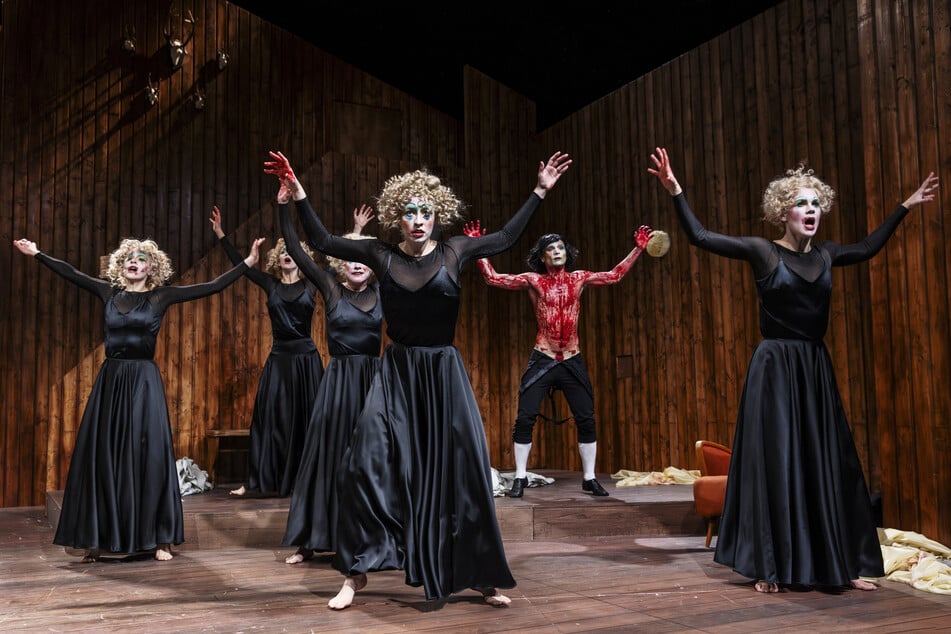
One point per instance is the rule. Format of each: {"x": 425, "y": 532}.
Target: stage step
{"x": 216, "y": 519}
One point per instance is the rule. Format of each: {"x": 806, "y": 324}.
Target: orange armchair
{"x": 709, "y": 490}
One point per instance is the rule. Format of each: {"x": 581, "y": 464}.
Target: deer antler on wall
{"x": 151, "y": 92}
{"x": 176, "y": 45}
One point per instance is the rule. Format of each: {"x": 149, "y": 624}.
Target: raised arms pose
{"x": 415, "y": 486}
{"x": 122, "y": 494}
{"x": 354, "y": 320}
{"x": 556, "y": 361}
{"x": 292, "y": 372}
{"x": 797, "y": 508}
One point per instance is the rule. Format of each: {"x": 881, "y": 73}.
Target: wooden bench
{"x": 227, "y": 451}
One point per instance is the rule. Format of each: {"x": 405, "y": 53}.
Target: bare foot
{"x": 163, "y": 552}
{"x": 301, "y": 555}
{"x": 766, "y": 587}
{"x": 861, "y": 584}
{"x": 91, "y": 556}
{"x": 239, "y": 491}
{"x": 495, "y": 598}
{"x": 344, "y": 598}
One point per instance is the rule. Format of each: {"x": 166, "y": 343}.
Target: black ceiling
{"x": 562, "y": 55}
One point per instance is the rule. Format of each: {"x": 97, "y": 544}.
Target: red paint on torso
{"x": 557, "y": 300}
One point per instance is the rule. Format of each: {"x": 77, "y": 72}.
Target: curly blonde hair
{"x": 398, "y": 190}
{"x": 273, "y": 262}
{"x": 336, "y": 264}
{"x": 160, "y": 271}
{"x": 782, "y": 192}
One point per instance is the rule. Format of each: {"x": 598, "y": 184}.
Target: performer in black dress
{"x": 415, "y": 486}
{"x": 122, "y": 493}
{"x": 291, "y": 375}
{"x": 797, "y": 508}
{"x": 354, "y": 318}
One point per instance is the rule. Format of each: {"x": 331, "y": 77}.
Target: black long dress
{"x": 416, "y": 486}
{"x": 354, "y": 323}
{"x": 288, "y": 384}
{"x": 797, "y": 508}
{"x": 122, "y": 493}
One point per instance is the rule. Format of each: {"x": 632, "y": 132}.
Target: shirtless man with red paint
{"x": 556, "y": 361}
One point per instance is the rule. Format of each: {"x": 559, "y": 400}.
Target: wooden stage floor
{"x": 576, "y": 572}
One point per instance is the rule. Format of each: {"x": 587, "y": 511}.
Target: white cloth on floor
{"x": 502, "y": 482}
{"x": 670, "y": 475}
{"x": 913, "y": 559}
{"x": 191, "y": 478}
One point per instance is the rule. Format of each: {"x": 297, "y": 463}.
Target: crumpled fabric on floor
{"x": 670, "y": 475}
{"x": 191, "y": 478}
{"x": 502, "y": 482}
{"x": 915, "y": 560}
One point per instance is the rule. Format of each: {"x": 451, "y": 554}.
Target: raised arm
{"x": 259, "y": 277}
{"x": 318, "y": 237}
{"x": 169, "y": 295}
{"x": 843, "y": 254}
{"x": 492, "y": 277}
{"x": 752, "y": 249}
{"x": 322, "y": 278}
{"x": 548, "y": 174}
{"x": 605, "y": 278}
{"x": 64, "y": 269}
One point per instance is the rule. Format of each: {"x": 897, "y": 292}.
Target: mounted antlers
{"x": 151, "y": 92}
{"x": 176, "y": 45}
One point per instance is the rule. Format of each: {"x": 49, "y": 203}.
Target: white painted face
{"x": 802, "y": 217}
{"x": 555, "y": 254}
{"x": 137, "y": 266}
{"x": 417, "y": 221}
{"x": 287, "y": 262}
{"x": 356, "y": 274}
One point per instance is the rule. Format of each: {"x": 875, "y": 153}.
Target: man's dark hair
{"x": 534, "y": 260}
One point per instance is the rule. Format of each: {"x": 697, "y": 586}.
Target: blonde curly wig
{"x": 782, "y": 192}
{"x": 160, "y": 272}
{"x": 273, "y": 262}
{"x": 398, "y": 190}
{"x": 336, "y": 264}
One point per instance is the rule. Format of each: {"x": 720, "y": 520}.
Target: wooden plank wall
{"x": 852, "y": 86}
{"x": 855, "y": 90}
{"x": 905, "y": 49}
{"x": 84, "y": 162}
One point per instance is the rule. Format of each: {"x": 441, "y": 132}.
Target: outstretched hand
{"x": 26, "y": 247}
{"x": 215, "y": 221}
{"x": 642, "y": 236}
{"x": 923, "y": 194}
{"x": 550, "y": 172}
{"x": 664, "y": 172}
{"x": 253, "y": 257}
{"x": 279, "y": 166}
{"x": 473, "y": 229}
{"x": 362, "y": 217}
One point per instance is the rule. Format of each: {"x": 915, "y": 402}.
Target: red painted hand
{"x": 279, "y": 167}
{"x": 642, "y": 236}
{"x": 473, "y": 229}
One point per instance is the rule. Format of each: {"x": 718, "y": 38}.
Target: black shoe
{"x": 518, "y": 487}
{"x": 592, "y": 486}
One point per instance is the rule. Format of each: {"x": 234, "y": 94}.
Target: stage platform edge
{"x": 216, "y": 519}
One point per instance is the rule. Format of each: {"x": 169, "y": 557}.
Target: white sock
{"x": 521, "y": 459}
{"x": 589, "y": 454}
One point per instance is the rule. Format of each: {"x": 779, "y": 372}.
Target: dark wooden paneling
{"x": 854, "y": 87}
